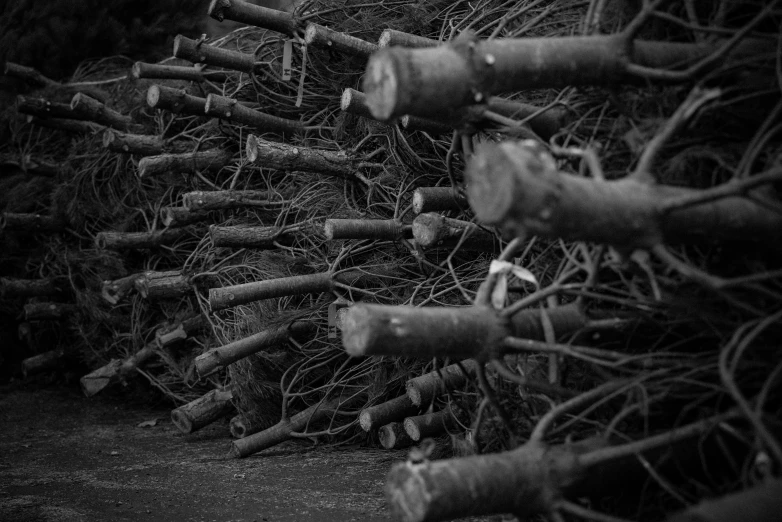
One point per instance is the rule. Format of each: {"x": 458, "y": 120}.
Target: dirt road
{"x": 67, "y": 458}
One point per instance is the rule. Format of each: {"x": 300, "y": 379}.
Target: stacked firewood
{"x": 541, "y": 235}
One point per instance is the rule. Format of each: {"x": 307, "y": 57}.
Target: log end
{"x": 144, "y": 166}
{"x": 77, "y": 100}
{"x": 311, "y": 33}
{"x": 251, "y": 148}
{"x": 178, "y": 45}
{"x": 167, "y": 216}
{"x": 414, "y": 394}
{"x": 109, "y": 138}
{"x": 153, "y": 96}
{"x": 357, "y": 330}
{"x": 347, "y": 99}
{"x": 328, "y": 229}
{"x": 385, "y": 39}
{"x": 135, "y": 70}
{"x": 381, "y": 85}
{"x": 238, "y": 427}
{"x": 101, "y": 242}
{"x": 365, "y": 420}
{"x": 426, "y": 229}
{"x": 182, "y": 421}
{"x": 411, "y": 428}
{"x": 206, "y": 363}
{"x": 490, "y": 176}
{"x": 235, "y": 452}
{"x": 407, "y": 492}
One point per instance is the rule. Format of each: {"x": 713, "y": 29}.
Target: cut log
{"x": 163, "y": 285}
{"x": 231, "y": 110}
{"x": 355, "y": 102}
{"x": 11, "y": 287}
{"x": 49, "y": 311}
{"x": 178, "y": 217}
{"x": 137, "y": 240}
{"x": 381, "y": 414}
{"x": 187, "y": 162}
{"x": 408, "y": 331}
{"x": 394, "y": 38}
{"x": 432, "y": 230}
{"x": 91, "y": 109}
{"x": 43, "y": 362}
{"x": 242, "y": 426}
{"x": 222, "y": 356}
{"x": 168, "y": 335}
{"x": 422, "y": 390}
{"x": 428, "y": 425}
{"x": 198, "y": 51}
{"x": 282, "y": 431}
{"x": 115, "y": 371}
{"x": 288, "y": 157}
{"x": 319, "y": 36}
{"x": 31, "y": 222}
{"x": 249, "y": 237}
{"x": 437, "y": 199}
{"x": 139, "y": 144}
{"x": 251, "y": 14}
{"x": 229, "y": 296}
{"x": 44, "y": 108}
{"x": 226, "y": 199}
{"x": 115, "y": 291}
{"x": 177, "y": 101}
{"x": 516, "y": 186}
{"x": 175, "y": 72}
{"x": 378, "y": 229}
{"x": 394, "y": 436}
{"x": 203, "y": 411}
{"x": 433, "y": 81}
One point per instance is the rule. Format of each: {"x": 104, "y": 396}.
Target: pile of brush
{"x": 542, "y": 235}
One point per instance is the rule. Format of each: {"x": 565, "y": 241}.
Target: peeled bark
{"x": 761, "y": 503}
{"x": 251, "y": 14}
{"x": 434, "y": 81}
{"x": 428, "y": 425}
{"x": 394, "y": 436}
{"x": 516, "y": 186}
{"x": 137, "y": 240}
{"x": 408, "y": 331}
{"x": 139, "y": 144}
{"x": 197, "y": 51}
{"x": 229, "y": 296}
{"x": 175, "y": 72}
{"x": 49, "y": 311}
{"x": 116, "y": 290}
{"x": 177, "y": 217}
{"x": 227, "y": 354}
{"x": 226, "y": 199}
{"x": 93, "y": 110}
{"x": 288, "y": 157}
{"x": 231, "y": 110}
{"x": 384, "y": 413}
{"x": 203, "y": 411}
{"x": 379, "y": 229}
{"x": 41, "y": 363}
{"x": 432, "y": 230}
{"x": 163, "y": 285}
{"x": 423, "y": 389}
{"x": 31, "y": 222}
{"x": 248, "y": 237}
{"x": 319, "y": 36}
{"x": 394, "y": 38}
{"x": 175, "y": 100}
{"x": 436, "y": 199}
{"x": 281, "y": 431}
{"x": 11, "y": 287}
{"x": 187, "y": 162}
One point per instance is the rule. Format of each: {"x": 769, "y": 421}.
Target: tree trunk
{"x": 31, "y": 222}
{"x": 248, "y": 237}
{"x": 43, "y": 362}
{"x": 137, "y": 240}
{"x": 222, "y": 356}
{"x": 432, "y": 230}
{"x": 384, "y": 413}
{"x": 517, "y": 187}
{"x": 197, "y": 51}
{"x": 203, "y": 411}
{"x": 428, "y": 425}
{"x": 139, "y": 144}
{"x": 378, "y": 229}
{"x": 175, "y": 100}
{"x": 178, "y": 217}
{"x": 251, "y": 14}
{"x": 438, "y": 199}
{"x": 175, "y": 72}
{"x": 44, "y": 108}
{"x": 188, "y": 162}
{"x": 281, "y": 431}
{"x": 394, "y": 436}
{"x": 434, "y": 81}
{"x": 323, "y": 37}
{"x": 288, "y": 157}
{"x": 49, "y": 311}
{"x": 231, "y": 110}
{"x": 163, "y": 285}
{"x": 226, "y": 199}
{"x": 11, "y": 287}
{"x": 423, "y": 389}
